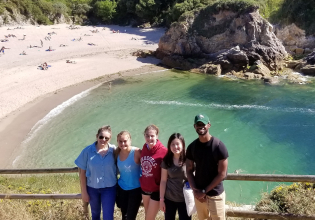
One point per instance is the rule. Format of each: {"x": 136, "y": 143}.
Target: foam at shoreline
{"x": 232, "y": 107}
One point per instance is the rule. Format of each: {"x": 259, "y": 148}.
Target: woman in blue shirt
{"x": 98, "y": 175}
{"x": 128, "y": 163}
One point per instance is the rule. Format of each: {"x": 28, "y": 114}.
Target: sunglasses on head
{"x": 102, "y": 138}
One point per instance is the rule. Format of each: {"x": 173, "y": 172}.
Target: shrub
{"x": 205, "y": 15}
{"x": 299, "y": 12}
{"x": 105, "y": 10}
{"x": 297, "y": 198}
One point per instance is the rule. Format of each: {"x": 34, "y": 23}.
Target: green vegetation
{"x": 158, "y": 12}
{"x": 297, "y": 198}
{"x": 204, "y": 16}
{"x": 40, "y": 209}
{"x": 299, "y": 12}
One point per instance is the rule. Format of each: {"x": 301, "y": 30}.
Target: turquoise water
{"x": 267, "y": 129}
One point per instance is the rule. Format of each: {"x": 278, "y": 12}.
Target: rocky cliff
{"x": 232, "y": 39}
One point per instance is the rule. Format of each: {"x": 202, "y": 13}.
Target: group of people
{"x": 155, "y": 175}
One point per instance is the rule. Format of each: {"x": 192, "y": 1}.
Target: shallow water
{"x": 267, "y": 129}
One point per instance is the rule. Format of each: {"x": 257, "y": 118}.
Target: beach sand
{"x": 28, "y": 93}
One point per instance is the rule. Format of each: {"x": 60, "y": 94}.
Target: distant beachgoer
{"x": 44, "y": 66}
{"x": 23, "y": 53}
{"x": 2, "y": 49}
{"x": 91, "y": 44}
{"x": 50, "y": 49}
{"x": 63, "y": 45}
{"x": 41, "y": 43}
{"x": 69, "y": 61}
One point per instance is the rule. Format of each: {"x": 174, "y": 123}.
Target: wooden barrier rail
{"x": 231, "y": 176}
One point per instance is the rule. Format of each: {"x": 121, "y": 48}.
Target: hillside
{"x": 148, "y": 12}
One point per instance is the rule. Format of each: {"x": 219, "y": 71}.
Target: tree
{"x": 105, "y": 9}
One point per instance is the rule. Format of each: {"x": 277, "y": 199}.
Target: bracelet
{"x": 161, "y": 199}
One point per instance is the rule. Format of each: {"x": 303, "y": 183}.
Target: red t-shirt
{"x": 151, "y": 167}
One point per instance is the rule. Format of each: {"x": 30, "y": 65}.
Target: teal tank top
{"x": 129, "y": 172}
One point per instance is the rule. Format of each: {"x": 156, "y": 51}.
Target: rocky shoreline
{"x": 237, "y": 44}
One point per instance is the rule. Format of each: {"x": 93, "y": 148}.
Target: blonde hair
{"x": 151, "y": 127}
{"x": 123, "y": 133}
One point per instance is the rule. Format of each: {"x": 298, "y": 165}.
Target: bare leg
{"x": 153, "y": 209}
{"x": 146, "y": 200}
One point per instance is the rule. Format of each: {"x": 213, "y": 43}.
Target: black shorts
{"x": 153, "y": 195}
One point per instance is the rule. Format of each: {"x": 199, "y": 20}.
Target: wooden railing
{"x": 229, "y": 212}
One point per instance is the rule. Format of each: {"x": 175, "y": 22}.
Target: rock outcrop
{"x": 295, "y": 40}
{"x": 233, "y": 40}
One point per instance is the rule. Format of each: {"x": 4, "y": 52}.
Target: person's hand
{"x": 202, "y": 200}
{"x": 199, "y": 195}
{"x": 162, "y": 205}
{"x": 85, "y": 197}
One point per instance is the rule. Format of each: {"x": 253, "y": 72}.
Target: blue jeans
{"x": 103, "y": 198}
{"x": 171, "y": 207}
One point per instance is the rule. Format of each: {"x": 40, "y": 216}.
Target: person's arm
{"x": 190, "y": 169}
{"x": 222, "y": 169}
{"x": 162, "y": 188}
{"x": 137, "y": 156}
{"x": 84, "y": 194}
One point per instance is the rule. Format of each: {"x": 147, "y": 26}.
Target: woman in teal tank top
{"x": 128, "y": 163}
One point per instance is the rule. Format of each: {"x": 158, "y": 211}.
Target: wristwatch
{"x": 203, "y": 191}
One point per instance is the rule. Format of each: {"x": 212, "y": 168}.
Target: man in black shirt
{"x": 207, "y": 157}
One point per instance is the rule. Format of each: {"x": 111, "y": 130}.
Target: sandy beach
{"x": 95, "y": 54}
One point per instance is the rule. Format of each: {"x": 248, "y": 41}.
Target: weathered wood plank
{"x": 267, "y": 215}
{"x": 40, "y": 196}
{"x": 38, "y": 171}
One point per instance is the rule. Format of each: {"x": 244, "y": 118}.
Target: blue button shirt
{"x": 100, "y": 171}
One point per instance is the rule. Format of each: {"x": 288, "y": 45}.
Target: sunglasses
{"x": 102, "y": 138}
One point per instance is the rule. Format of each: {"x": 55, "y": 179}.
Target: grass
{"x": 48, "y": 209}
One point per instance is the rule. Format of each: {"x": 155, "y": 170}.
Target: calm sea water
{"x": 267, "y": 129}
